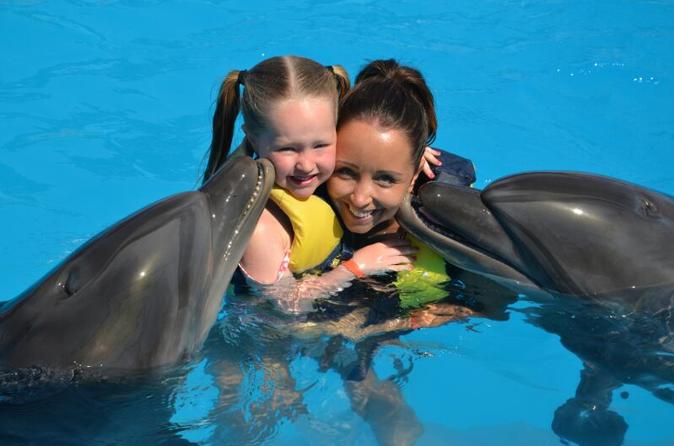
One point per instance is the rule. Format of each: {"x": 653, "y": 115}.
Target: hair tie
{"x": 241, "y": 79}
{"x": 330, "y": 68}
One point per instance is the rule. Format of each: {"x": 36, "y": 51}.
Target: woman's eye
{"x": 386, "y": 180}
{"x": 345, "y": 172}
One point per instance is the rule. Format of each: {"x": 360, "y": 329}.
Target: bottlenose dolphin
{"x": 570, "y": 233}
{"x": 145, "y": 292}
{"x": 600, "y": 249}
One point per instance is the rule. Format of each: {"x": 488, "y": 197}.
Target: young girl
{"x": 289, "y": 106}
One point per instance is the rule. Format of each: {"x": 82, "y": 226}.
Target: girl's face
{"x": 300, "y": 141}
{"x": 373, "y": 173}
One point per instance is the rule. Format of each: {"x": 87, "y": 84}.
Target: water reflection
{"x": 261, "y": 373}
{"x": 621, "y": 339}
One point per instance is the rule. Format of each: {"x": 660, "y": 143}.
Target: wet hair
{"x": 271, "y": 80}
{"x": 393, "y": 96}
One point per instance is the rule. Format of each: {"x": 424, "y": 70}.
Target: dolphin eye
{"x": 73, "y": 282}
{"x": 648, "y": 208}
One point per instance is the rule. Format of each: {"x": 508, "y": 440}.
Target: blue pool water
{"x": 105, "y": 107}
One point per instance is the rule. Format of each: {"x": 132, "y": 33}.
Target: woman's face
{"x": 373, "y": 172}
{"x": 300, "y": 141}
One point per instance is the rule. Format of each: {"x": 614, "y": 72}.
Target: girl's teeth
{"x": 298, "y": 179}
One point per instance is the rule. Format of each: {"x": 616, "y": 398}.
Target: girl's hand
{"x": 430, "y": 157}
{"x": 393, "y": 254}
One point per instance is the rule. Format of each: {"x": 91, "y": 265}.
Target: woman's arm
{"x": 297, "y": 295}
{"x": 264, "y": 259}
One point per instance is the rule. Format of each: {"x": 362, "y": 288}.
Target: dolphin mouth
{"x": 266, "y": 175}
{"x": 258, "y": 198}
{"x": 238, "y": 193}
{"x": 263, "y": 185}
{"x": 424, "y": 218}
{"x": 471, "y": 239}
{"x": 415, "y": 220}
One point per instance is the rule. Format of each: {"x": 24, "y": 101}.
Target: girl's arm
{"x": 297, "y": 295}
{"x": 265, "y": 264}
{"x": 267, "y": 250}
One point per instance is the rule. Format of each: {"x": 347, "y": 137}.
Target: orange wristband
{"x": 414, "y": 323}
{"x": 353, "y": 268}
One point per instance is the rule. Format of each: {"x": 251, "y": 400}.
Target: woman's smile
{"x": 374, "y": 171}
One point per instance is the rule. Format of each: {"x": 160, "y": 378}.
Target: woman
{"x": 385, "y": 124}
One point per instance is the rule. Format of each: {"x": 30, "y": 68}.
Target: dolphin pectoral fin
{"x": 586, "y": 418}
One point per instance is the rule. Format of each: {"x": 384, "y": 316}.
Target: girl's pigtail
{"x": 224, "y": 117}
{"x": 342, "y": 78}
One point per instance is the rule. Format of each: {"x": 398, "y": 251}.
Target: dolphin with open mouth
{"x": 145, "y": 292}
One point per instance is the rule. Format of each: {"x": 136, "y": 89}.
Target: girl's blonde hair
{"x": 269, "y": 81}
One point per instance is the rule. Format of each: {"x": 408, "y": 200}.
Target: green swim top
{"x": 424, "y": 283}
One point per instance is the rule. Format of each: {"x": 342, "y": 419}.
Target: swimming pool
{"x": 106, "y": 108}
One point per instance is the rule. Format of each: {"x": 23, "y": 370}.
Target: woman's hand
{"x": 430, "y": 157}
{"x": 438, "y": 313}
{"x": 394, "y": 254}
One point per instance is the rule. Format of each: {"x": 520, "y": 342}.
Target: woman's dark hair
{"x": 267, "y": 82}
{"x": 393, "y": 96}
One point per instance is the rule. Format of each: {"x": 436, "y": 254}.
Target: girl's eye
{"x": 285, "y": 149}
{"x": 321, "y": 145}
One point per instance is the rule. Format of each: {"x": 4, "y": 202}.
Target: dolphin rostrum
{"x": 145, "y": 292}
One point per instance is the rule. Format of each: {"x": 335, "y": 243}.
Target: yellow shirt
{"x": 316, "y": 229}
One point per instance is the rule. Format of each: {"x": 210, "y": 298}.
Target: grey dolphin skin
{"x": 145, "y": 292}
{"x": 570, "y": 233}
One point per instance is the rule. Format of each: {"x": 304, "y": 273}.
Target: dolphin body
{"x": 145, "y": 292}
{"x": 596, "y": 253}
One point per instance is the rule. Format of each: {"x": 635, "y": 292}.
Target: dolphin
{"x": 595, "y": 256}
{"x": 570, "y": 233}
{"x": 145, "y": 292}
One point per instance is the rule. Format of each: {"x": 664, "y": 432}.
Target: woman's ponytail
{"x": 418, "y": 87}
